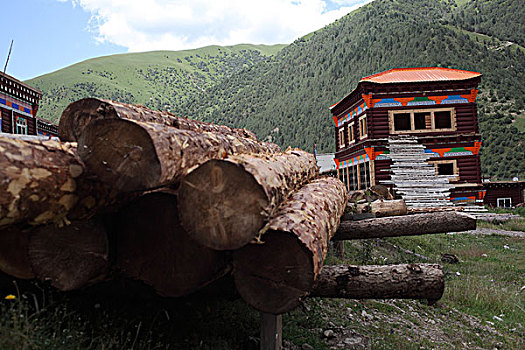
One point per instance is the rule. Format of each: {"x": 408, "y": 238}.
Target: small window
{"x": 420, "y": 121}
{"x": 445, "y": 169}
{"x": 442, "y": 120}
{"x": 341, "y": 138}
{"x": 351, "y": 137}
{"x": 21, "y": 126}
{"x": 402, "y": 121}
{"x": 504, "y": 202}
{"x": 362, "y": 127}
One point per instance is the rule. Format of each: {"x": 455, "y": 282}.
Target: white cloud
{"x": 143, "y": 25}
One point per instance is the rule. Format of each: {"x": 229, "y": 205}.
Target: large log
{"x": 44, "y": 181}
{"x": 224, "y": 204}
{"x": 80, "y": 113}
{"x": 409, "y": 281}
{"x": 14, "y": 246}
{"x": 153, "y": 247}
{"x": 138, "y": 156}
{"x": 407, "y": 225}
{"x": 275, "y": 275}
{"x": 71, "y": 256}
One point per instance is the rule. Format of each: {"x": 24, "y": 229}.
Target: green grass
{"x": 491, "y": 273}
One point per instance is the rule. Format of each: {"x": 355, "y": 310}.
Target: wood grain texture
{"x": 224, "y": 204}
{"x": 408, "y": 281}
{"x": 275, "y": 275}
{"x": 80, "y": 113}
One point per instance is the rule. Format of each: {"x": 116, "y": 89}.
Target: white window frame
{"x": 361, "y": 134}
{"x": 351, "y": 133}
{"x": 454, "y": 163}
{"x": 503, "y": 199}
{"x": 21, "y": 128}
{"x": 392, "y": 113}
{"x": 342, "y": 137}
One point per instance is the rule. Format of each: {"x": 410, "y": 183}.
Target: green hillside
{"x": 159, "y": 79}
{"x": 283, "y": 94}
{"x": 286, "y": 99}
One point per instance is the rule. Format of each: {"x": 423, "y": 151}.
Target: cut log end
{"x": 261, "y": 279}
{"x": 79, "y": 114}
{"x": 231, "y": 200}
{"x": 69, "y": 257}
{"x": 121, "y": 153}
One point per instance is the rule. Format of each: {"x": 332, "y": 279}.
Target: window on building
{"x": 351, "y": 134}
{"x": 341, "y": 137}
{"x": 442, "y": 120}
{"x": 402, "y": 121}
{"x": 422, "y": 120}
{"x": 504, "y": 202}
{"x": 363, "y": 132}
{"x": 447, "y": 167}
{"x": 21, "y": 126}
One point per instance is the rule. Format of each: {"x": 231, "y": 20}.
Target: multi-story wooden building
{"x": 430, "y": 113}
{"x": 18, "y": 108}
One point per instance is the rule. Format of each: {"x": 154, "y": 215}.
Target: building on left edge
{"x": 18, "y": 107}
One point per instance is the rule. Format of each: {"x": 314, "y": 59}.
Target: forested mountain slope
{"x": 158, "y": 79}
{"x": 286, "y": 99}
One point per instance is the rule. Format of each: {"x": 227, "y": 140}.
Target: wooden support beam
{"x": 407, "y": 225}
{"x": 271, "y": 331}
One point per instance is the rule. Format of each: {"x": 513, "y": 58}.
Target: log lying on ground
{"x": 153, "y": 247}
{"x": 14, "y": 246}
{"x": 44, "y": 181}
{"x": 409, "y": 281}
{"x": 138, "y": 156}
{"x": 273, "y": 276}
{"x": 80, "y": 113}
{"x": 72, "y": 256}
{"x": 382, "y": 207}
{"x": 407, "y": 225}
{"x": 224, "y": 204}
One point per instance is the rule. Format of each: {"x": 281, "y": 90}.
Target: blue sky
{"x": 52, "y": 34}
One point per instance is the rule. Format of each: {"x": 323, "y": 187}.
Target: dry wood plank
{"x": 275, "y": 275}
{"x": 271, "y": 331}
{"x": 133, "y": 156}
{"x": 153, "y": 247}
{"x": 382, "y": 207}
{"x": 224, "y": 204}
{"x": 70, "y": 257}
{"x": 408, "y": 281}
{"x": 80, "y": 113}
{"x": 407, "y": 225}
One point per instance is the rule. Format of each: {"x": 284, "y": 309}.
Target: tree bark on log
{"x": 224, "y": 204}
{"x": 383, "y": 208}
{"x": 409, "y": 281}
{"x": 275, "y": 275}
{"x": 14, "y": 246}
{"x": 407, "y": 225}
{"x": 136, "y": 156}
{"x": 72, "y": 256}
{"x": 79, "y": 114}
{"x": 153, "y": 247}
{"x": 45, "y": 181}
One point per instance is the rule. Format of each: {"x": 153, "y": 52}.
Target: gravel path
{"x": 491, "y": 231}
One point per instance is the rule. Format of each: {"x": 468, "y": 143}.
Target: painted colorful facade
{"x": 437, "y": 105}
{"x": 18, "y": 109}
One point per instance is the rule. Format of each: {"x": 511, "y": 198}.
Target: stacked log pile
{"x": 177, "y": 204}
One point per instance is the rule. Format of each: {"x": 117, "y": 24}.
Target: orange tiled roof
{"x": 410, "y": 75}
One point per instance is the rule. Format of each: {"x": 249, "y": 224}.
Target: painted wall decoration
{"x": 454, "y": 151}
{"x": 16, "y": 105}
{"x": 477, "y": 198}
{"x": 369, "y": 102}
{"x": 352, "y": 161}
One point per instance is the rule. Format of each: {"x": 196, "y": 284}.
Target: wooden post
{"x": 271, "y": 331}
